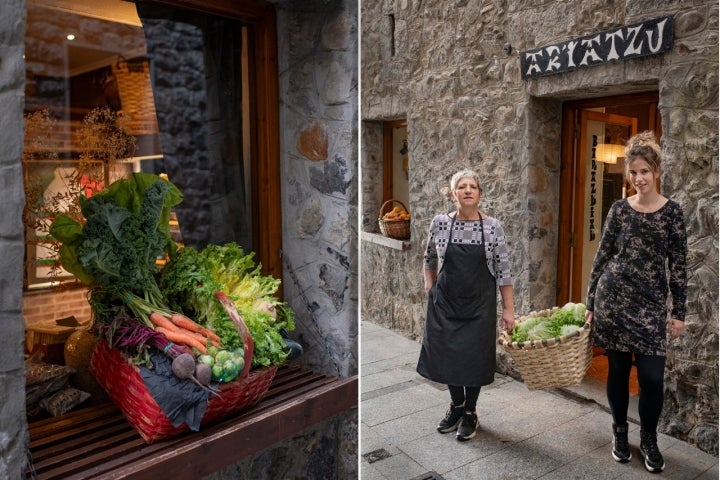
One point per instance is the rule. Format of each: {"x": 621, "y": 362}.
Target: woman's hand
{"x": 588, "y": 316}
{"x": 430, "y": 277}
{"x": 508, "y": 321}
{"x": 675, "y": 327}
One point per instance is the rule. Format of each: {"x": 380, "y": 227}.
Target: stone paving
{"x": 523, "y": 434}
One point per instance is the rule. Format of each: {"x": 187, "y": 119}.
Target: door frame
{"x": 570, "y": 136}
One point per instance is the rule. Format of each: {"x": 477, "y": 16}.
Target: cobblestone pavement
{"x": 523, "y": 434}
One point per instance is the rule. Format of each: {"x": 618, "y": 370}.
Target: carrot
{"x": 203, "y": 338}
{"x": 184, "y": 322}
{"x": 184, "y": 338}
{"x": 160, "y": 320}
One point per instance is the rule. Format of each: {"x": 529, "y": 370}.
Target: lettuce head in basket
{"x": 562, "y": 321}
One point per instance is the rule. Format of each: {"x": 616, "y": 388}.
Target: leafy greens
{"x": 563, "y": 321}
{"x": 115, "y": 250}
{"x": 191, "y": 278}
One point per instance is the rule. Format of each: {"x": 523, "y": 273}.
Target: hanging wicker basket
{"x": 397, "y": 229}
{"x": 136, "y": 95}
{"x": 551, "y": 363}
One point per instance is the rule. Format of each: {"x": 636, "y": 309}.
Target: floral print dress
{"x": 628, "y": 288}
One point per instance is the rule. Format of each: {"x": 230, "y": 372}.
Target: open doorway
{"x": 592, "y": 178}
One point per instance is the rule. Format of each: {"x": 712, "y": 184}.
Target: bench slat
{"x": 97, "y": 442}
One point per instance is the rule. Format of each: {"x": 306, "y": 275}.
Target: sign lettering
{"x": 592, "y": 231}
{"x": 630, "y": 41}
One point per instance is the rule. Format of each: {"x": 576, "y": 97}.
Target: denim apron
{"x": 460, "y": 326}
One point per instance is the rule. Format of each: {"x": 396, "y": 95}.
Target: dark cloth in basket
{"x": 181, "y": 400}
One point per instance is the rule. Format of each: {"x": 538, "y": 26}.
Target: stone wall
{"x": 14, "y": 435}
{"x": 452, "y": 69}
{"x": 317, "y": 45}
{"x": 317, "y": 56}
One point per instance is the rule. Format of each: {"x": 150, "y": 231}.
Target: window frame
{"x": 389, "y": 156}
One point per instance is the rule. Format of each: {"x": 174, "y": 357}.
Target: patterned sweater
{"x": 496, "y": 252}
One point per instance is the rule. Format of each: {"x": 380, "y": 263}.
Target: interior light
{"x": 609, "y": 152}
{"x": 70, "y": 36}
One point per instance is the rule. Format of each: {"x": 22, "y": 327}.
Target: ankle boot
{"x": 621, "y": 448}
{"x": 648, "y": 447}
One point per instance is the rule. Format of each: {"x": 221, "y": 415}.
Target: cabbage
{"x": 568, "y": 329}
{"x": 540, "y": 331}
{"x": 563, "y": 321}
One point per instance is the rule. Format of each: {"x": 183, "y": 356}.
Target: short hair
{"x": 644, "y": 145}
{"x": 464, "y": 173}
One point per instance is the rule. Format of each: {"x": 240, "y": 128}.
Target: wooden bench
{"x": 97, "y": 442}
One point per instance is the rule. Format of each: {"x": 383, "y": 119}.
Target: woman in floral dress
{"x": 644, "y": 235}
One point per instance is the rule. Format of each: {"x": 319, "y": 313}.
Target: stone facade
{"x": 13, "y": 428}
{"x": 318, "y": 92}
{"x": 318, "y": 45}
{"x": 452, "y": 70}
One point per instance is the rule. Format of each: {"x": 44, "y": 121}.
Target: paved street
{"x": 523, "y": 434}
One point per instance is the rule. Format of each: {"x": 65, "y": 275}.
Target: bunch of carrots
{"x": 178, "y": 328}
{"x": 182, "y": 330}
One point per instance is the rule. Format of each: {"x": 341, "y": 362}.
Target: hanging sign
{"x": 630, "y": 41}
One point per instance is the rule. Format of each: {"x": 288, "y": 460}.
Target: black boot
{"x": 468, "y": 425}
{"x": 621, "y": 448}
{"x": 654, "y": 462}
{"x": 452, "y": 419}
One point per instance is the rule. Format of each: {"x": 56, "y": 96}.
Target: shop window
{"x": 177, "y": 92}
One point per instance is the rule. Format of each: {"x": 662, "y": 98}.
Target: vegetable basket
{"x": 125, "y": 387}
{"x": 551, "y": 363}
{"x": 397, "y": 229}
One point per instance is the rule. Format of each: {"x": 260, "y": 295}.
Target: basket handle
{"x": 382, "y": 208}
{"x": 242, "y": 329}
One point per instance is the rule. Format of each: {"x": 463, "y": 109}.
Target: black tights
{"x": 651, "y": 371}
{"x": 467, "y": 395}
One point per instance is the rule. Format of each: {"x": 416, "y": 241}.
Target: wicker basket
{"x": 551, "y": 363}
{"x": 125, "y": 386}
{"x": 136, "y": 95}
{"x": 397, "y": 229}
{"x": 126, "y": 389}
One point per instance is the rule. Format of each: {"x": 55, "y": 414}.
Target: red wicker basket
{"x": 126, "y": 388}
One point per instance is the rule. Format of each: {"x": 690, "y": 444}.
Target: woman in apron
{"x": 466, "y": 260}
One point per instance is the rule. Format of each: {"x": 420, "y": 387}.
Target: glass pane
{"x": 199, "y": 66}
{"x": 108, "y": 94}
{"x": 85, "y": 127}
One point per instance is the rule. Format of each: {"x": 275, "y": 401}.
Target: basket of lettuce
{"x": 551, "y": 348}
